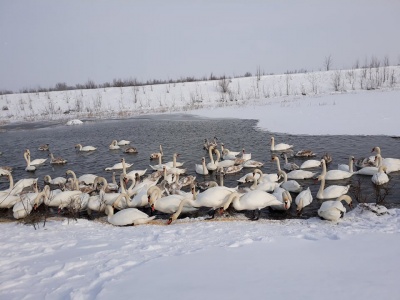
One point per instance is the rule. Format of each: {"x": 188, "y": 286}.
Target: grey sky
{"x": 45, "y": 41}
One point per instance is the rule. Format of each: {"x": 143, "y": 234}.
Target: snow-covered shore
{"x": 346, "y": 100}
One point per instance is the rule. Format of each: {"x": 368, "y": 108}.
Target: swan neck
{"x": 123, "y": 167}
{"x": 234, "y": 197}
{"x": 321, "y": 187}
{"x": 210, "y": 154}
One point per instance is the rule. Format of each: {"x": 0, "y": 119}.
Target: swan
{"x": 29, "y": 167}
{"x": 123, "y": 143}
{"x": 114, "y": 145}
{"x": 85, "y": 148}
{"x": 284, "y": 197}
{"x": 254, "y": 200}
{"x": 128, "y": 216}
{"x": 311, "y": 163}
{"x": 266, "y": 186}
{"x": 289, "y": 166}
{"x": 168, "y": 204}
{"x": 334, "y": 174}
{"x": 86, "y": 179}
{"x": 35, "y": 162}
{"x": 62, "y": 198}
{"x": 391, "y": 164}
{"x": 333, "y": 210}
{"x": 349, "y": 167}
{"x": 157, "y": 155}
{"x": 131, "y": 174}
{"x": 279, "y": 147}
{"x": 291, "y": 185}
{"x": 201, "y": 169}
{"x": 226, "y": 154}
{"x": 160, "y": 165}
{"x": 138, "y": 185}
{"x": 10, "y": 179}
{"x": 98, "y": 202}
{"x": 380, "y": 177}
{"x": 302, "y": 200}
{"x": 260, "y": 176}
{"x": 327, "y": 157}
{"x": 232, "y": 169}
{"x": 28, "y": 202}
{"x": 305, "y": 153}
{"x": 225, "y": 163}
{"x": 57, "y": 160}
{"x": 108, "y": 187}
{"x": 252, "y": 164}
{"x": 300, "y": 174}
{"x": 174, "y": 163}
{"x": 332, "y": 191}
{"x": 210, "y": 143}
{"x": 187, "y": 180}
{"x": 44, "y": 147}
{"x": 211, "y": 166}
{"x": 4, "y": 170}
{"x": 246, "y": 156}
{"x": 119, "y": 166}
{"x": 131, "y": 150}
{"x": 369, "y": 171}
{"x": 55, "y": 181}
{"x": 7, "y": 199}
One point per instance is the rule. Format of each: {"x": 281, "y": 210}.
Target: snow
{"x": 356, "y": 258}
{"x": 74, "y": 122}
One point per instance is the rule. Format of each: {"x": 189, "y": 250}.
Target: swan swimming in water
{"x": 279, "y": 147}
{"x": 85, "y": 148}
{"x": 332, "y": 191}
{"x": 35, "y": 162}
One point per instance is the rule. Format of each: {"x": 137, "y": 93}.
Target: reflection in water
{"x": 184, "y": 135}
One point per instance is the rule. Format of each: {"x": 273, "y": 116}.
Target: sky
{"x": 44, "y": 42}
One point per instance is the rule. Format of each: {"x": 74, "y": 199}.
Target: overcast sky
{"x": 45, "y": 41}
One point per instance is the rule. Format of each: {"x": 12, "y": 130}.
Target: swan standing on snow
{"x": 380, "y": 177}
{"x": 332, "y": 191}
{"x": 333, "y": 210}
{"x": 302, "y": 200}
{"x": 279, "y": 147}
{"x": 85, "y": 148}
{"x": 254, "y": 200}
{"x": 28, "y": 201}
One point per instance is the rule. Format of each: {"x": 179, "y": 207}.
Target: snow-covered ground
{"x": 356, "y": 258}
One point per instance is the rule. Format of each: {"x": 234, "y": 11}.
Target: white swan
{"x": 391, "y": 164}
{"x": 201, "y": 169}
{"x": 332, "y": 210}
{"x": 246, "y": 156}
{"x": 227, "y": 154}
{"x": 310, "y": 163}
{"x": 211, "y": 166}
{"x": 380, "y": 177}
{"x": 252, "y": 164}
{"x": 225, "y": 163}
{"x": 174, "y": 163}
{"x": 86, "y": 179}
{"x": 284, "y": 197}
{"x": 123, "y": 143}
{"x": 349, "y": 167}
{"x": 55, "y": 181}
{"x": 62, "y": 198}
{"x": 332, "y": 191}
{"x": 168, "y": 204}
{"x": 28, "y": 201}
{"x": 85, "y": 148}
{"x": 7, "y": 199}
{"x": 291, "y": 185}
{"x": 266, "y": 186}
{"x": 254, "y": 200}
{"x": 301, "y": 174}
{"x": 289, "y": 166}
{"x": 29, "y": 167}
{"x": 35, "y": 162}
{"x": 334, "y": 174}
{"x": 114, "y": 145}
{"x": 279, "y": 147}
{"x": 119, "y": 166}
{"x": 260, "y": 176}
{"x": 21, "y": 184}
{"x": 303, "y": 199}
{"x": 57, "y": 160}
{"x": 132, "y": 174}
{"x": 128, "y": 216}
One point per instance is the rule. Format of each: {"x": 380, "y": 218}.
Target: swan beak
{"x": 351, "y": 205}
{"x": 169, "y": 221}
{"x": 152, "y": 208}
{"x": 286, "y": 205}
{"x": 299, "y": 212}
{"x": 221, "y": 211}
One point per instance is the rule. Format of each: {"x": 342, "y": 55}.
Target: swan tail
{"x": 143, "y": 220}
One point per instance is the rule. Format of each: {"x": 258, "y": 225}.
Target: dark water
{"x": 185, "y": 135}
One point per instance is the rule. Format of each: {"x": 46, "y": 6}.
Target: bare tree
{"x": 328, "y": 62}
{"x": 224, "y": 84}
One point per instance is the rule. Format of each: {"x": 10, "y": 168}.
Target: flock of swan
{"x": 163, "y": 190}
